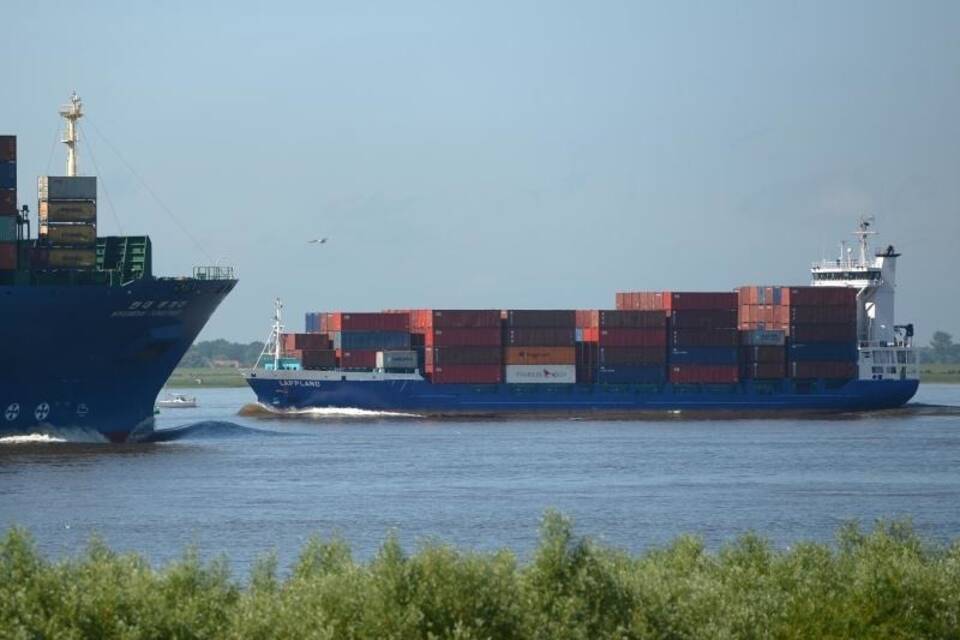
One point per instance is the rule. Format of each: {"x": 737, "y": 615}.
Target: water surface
{"x": 244, "y": 485}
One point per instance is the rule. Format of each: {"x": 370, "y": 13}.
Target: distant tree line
{"x": 209, "y": 352}
{"x": 942, "y": 350}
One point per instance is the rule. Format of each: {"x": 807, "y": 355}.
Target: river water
{"x": 245, "y": 485}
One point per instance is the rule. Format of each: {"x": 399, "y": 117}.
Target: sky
{"x": 501, "y": 154}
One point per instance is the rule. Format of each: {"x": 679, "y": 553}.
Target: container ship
{"x": 830, "y": 346}
{"x": 91, "y": 334}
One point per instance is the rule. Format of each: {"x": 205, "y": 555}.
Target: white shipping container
{"x": 541, "y": 373}
{"x": 396, "y": 359}
{"x": 67, "y": 187}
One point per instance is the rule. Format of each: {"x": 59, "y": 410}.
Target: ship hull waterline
{"x": 424, "y": 398}
{"x": 92, "y": 359}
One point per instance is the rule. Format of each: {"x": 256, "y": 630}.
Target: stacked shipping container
{"x": 540, "y": 346}
{"x": 356, "y": 338}
{"x": 68, "y": 221}
{"x": 820, "y": 324}
{"x": 8, "y": 203}
{"x": 702, "y": 332}
{"x": 459, "y": 346}
{"x": 631, "y": 345}
{"x": 313, "y": 350}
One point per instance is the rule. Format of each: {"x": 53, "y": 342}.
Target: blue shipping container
{"x": 399, "y": 340}
{"x": 704, "y": 355}
{"x": 8, "y": 175}
{"x": 631, "y": 375}
{"x": 762, "y": 338}
{"x": 822, "y": 352}
{"x": 312, "y": 324}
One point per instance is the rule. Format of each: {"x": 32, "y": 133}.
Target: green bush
{"x": 885, "y": 583}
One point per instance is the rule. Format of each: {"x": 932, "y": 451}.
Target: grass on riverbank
{"x": 184, "y": 377}
{"x": 940, "y": 373}
{"x": 886, "y": 583}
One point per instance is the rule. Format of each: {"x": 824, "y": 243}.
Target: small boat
{"x": 177, "y": 401}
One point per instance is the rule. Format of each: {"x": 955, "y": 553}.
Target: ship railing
{"x": 213, "y": 273}
{"x": 883, "y": 344}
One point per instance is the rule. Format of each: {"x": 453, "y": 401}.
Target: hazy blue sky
{"x": 504, "y": 154}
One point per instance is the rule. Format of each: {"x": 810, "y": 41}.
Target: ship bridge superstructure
{"x": 886, "y": 348}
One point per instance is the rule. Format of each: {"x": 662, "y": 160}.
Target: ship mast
{"x": 71, "y": 113}
{"x": 277, "y": 331}
{"x": 863, "y": 234}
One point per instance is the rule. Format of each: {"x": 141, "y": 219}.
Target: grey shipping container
{"x": 67, "y": 187}
{"x": 396, "y": 359}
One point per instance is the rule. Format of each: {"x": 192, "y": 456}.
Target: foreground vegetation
{"x": 887, "y": 583}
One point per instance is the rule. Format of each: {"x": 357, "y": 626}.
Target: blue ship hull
{"x": 511, "y": 399}
{"x": 94, "y": 357}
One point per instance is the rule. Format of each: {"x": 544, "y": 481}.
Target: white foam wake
{"x": 53, "y": 435}
{"x": 30, "y": 438}
{"x": 339, "y": 412}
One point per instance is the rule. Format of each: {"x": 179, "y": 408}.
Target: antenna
{"x": 71, "y": 113}
{"x": 863, "y": 234}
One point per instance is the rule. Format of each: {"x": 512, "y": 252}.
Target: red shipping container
{"x": 318, "y": 359}
{"x": 632, "y": 337}
{"x": 541, "y": 337}
{"x": 828, "y": 370}
{"x": 705, "y": 337}
{"x": 350, "y": 321}
{"x": 590, "y": 334}
{"x": 288, "y": 342}
{"x": 706, "y": 374}
{"x": 463, "y": 338}
{"x": 467, "y": 374}
{"x": 818, "y": 296}
{"x": 764, "y": 370}
{"x": 442, "y": 356}
{"x": 830, "y": 314}
{"x": 704, "y": 319}
{"x": 632, "y": 356}
{"x": 541, "y": 318}
{"x": 677, "y": 300}
{"x": 765, "y": 355}
{"x": 357, "y": 358}
{"x": 8, "y": 255}
{"x": 455, "y": 318}
{"x": 633, "y": 319}
{"x": 588, "y": 318}
{"x": 8, "y": 202}
{"x": 8, "y": 148}
{"x": 311, "y": 341}
{"x": 823, "y": 332}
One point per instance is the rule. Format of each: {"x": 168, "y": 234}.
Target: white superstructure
{"x": 886, "y": 349}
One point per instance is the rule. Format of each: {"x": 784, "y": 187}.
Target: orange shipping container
{"x": 540, "y": 355}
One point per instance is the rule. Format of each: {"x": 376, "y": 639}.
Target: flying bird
{"x": 318, "y": 241}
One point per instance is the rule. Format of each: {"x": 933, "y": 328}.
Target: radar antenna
{"x": 71, "y": 113}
